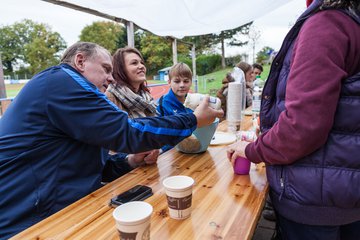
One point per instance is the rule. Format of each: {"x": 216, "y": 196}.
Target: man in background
{"x": 257, "y": 69}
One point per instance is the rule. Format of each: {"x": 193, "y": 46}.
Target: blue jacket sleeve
{"x": 87, "y": 115}
{"x": 115, "y": 166}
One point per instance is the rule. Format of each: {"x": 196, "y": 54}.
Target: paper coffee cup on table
{"x": 178, "y": 191}
{"x": 133, "y": 220}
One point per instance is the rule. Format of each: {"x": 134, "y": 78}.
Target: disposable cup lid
{"x": 178, "y": 183}
{"x": 133, "y": 212}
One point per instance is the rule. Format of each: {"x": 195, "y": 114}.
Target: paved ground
{"x": 264, "y": 230}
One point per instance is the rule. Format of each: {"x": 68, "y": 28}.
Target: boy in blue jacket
{"x": 172, "y": 103}
{"x": 180, "y": 80}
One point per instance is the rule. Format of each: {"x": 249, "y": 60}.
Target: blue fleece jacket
{"x": 53, "y": 140}
{"x": 169, "y": 105}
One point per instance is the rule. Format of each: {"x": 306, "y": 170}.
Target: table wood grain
{"x": 225, "y": 205}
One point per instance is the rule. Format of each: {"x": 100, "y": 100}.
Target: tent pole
{"x": 130, "y": 34}
{"x": 2, "y": 81}
{"x": 193, "y": 56}
{"x": 174, "y": 50}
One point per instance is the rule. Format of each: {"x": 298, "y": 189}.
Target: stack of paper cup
{"x": 234, "y": 105}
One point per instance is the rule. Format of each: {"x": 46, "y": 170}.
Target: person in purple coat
{"x": 310, "y": 124}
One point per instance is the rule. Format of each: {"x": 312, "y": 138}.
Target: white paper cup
{"x": 178, "y": 191}
{"x": 133, "y": 220}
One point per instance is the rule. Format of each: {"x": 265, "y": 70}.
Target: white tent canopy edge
{"x": 176, "y": 18}
{"x": 180, "y": 18}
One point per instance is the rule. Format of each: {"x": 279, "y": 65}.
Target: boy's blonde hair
{"x": 180, "y": 70}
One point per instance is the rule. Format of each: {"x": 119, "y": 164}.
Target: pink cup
{"x": 242, "y": 166}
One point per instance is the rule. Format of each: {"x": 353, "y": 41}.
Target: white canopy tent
{"x": 179, "y": 18}
{"x": 176, "y": 18}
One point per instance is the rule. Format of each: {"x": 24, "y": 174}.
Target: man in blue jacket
{"x": 56, "y": 133}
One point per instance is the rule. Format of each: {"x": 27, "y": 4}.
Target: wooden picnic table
{"x": 224, "y": 205}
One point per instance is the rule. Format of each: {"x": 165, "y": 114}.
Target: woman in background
{"x": 130, "y": 94}
{"x": 249, "y": 77}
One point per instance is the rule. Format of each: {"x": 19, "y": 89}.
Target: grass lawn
{"x": 208, "y": 83}
{"x": 211, "y": 82}
{"x": 13, "y": 89}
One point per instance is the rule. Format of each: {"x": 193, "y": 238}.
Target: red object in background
{"x": 157, "y": 90}
{"x": 308, "y": 2}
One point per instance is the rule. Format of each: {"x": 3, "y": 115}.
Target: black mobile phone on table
{"x": 137, "y": 193}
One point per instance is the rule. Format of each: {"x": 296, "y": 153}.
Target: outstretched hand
{"x": 206, "y": 115}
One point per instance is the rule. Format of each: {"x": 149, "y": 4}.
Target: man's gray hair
{"x": 89, "y": 49}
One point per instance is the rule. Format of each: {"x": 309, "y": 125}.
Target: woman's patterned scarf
{"x": 136, "y": 104}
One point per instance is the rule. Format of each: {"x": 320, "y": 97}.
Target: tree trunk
{"x": 2, "y": 82}
{"x": 223, "y": 53}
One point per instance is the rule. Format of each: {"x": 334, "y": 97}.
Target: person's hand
{"x": 136, "y": 160}
{"x": 236, "y": 150}
{"x": 152, "y": 157}
{"x": 206, "y": 115}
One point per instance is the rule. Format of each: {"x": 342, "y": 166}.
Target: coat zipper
{"x": 281, "y": 184}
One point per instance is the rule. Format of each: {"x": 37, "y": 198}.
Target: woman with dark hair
{"x": 130, "y": 94}
{"x": 310, "y": 125}
{"x": 249, "y": 77}
{"x": 222, "y": 92}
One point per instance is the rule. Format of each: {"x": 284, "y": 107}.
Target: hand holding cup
{"x": 237, "y": 157}
{"x": 205, "y": 114}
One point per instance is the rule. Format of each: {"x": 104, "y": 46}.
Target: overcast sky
{"x": 69, "y": 23}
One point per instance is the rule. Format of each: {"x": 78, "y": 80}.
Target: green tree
{"x": 108, "y": 34}
{"x": 206, "y": 43}
{"x": 254, "y": 36}
{"x": 28, "y": 42}
{"x": 232, "y": 36}
{"x": 263, "y": 55}
{"x": 44, "y": 49}
{"x": 9, "y": 48}
{"x": 202, "y": 43}
{"x": 122, "y": 40}
{"x": 157, "y": 52}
